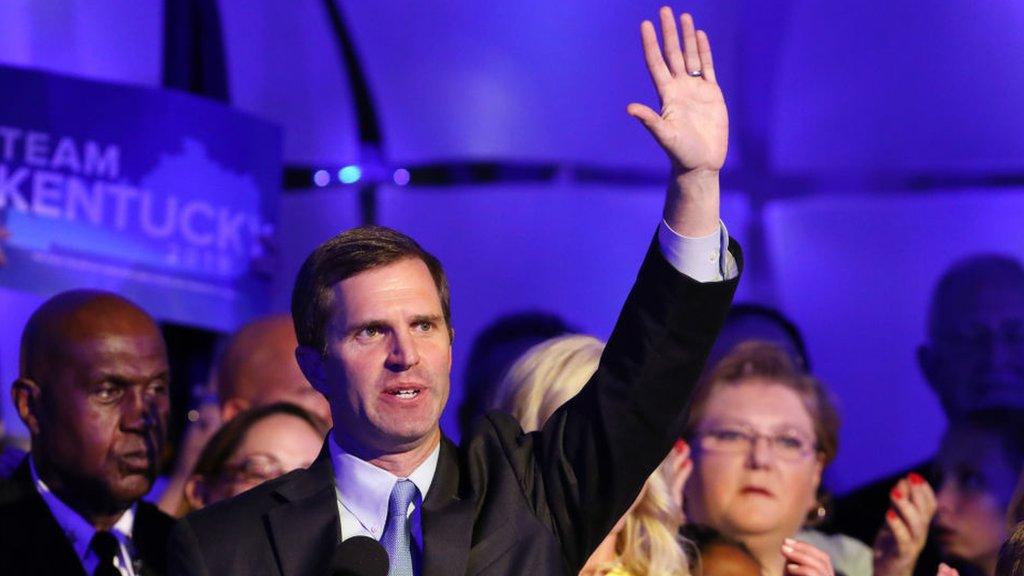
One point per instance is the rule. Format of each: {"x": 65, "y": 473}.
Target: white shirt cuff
{"x": 705, "y": 259}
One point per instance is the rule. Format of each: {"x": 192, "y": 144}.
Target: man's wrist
{"x": 692, "y": 205}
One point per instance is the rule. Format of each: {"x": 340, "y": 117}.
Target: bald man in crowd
{"x": 258, "y": 367}
{"x": 973, "y": 358}
{"x": 92, "y": 389}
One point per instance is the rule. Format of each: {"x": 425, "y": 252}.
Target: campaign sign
{"x": 160, "y": 196}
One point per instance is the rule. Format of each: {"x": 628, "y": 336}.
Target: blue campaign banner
{"x": 159, "y": 196}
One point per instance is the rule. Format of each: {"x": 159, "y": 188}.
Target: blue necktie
{"x": 397, "y": 537}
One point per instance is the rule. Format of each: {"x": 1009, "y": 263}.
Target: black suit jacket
{"x": 505, "y": 502}
{"x": 32, "y": 543}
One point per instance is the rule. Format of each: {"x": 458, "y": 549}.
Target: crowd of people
{"x": 693, "y": 442}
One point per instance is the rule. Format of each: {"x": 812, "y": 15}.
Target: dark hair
{"x": 343, "y": 256}
{"x": 704, "y": 537}
{"x": 752, "y": 310}
{"x": 970, "y": 274}
{"x": 223, "y": 444}
{"x": 1011, "y": 555}
{"x": 494, "y": 350}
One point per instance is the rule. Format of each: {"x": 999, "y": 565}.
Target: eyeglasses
{"x": 788, "y": 446}
{"x": 255, "y": 468}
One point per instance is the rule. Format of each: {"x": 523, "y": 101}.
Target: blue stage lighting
{"x": 350, "y": 174}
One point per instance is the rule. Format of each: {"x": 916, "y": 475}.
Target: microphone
{"x": 359, "y": 556}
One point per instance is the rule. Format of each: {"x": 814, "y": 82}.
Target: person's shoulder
{"x": 16, "y": 490}
{"x": 840, "y": 544}
{"x": 247, "y": 508}
{"x": 849, "y": 555}
{"x": 495, "y": 435}
{"x": 495, "y": 448}
{"x": 152, "y": 519}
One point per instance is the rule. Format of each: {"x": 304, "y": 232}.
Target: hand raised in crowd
{"x": 905, "y": 531}
{"x": 803, "y": 559}
{"x": 693, "y": 126}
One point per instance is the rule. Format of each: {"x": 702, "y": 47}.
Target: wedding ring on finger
{"x": 695, "y": 73}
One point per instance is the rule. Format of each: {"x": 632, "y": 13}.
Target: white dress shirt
{"x": 363, "y": 492}
{"x": 79, "y": 532}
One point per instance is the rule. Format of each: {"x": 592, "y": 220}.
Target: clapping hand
{"x": 803, "y": 559}
{"x": 905, "y": 531}
{"x": 676, "y": 468}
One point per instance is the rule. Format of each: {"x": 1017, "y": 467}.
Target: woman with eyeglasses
{"x": 257, "y": 445}
{"x": 762, "y": 432}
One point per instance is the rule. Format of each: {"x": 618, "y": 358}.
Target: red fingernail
{"x": 915, "y": 478}
{"x": 891, "y": 514}
{"x": 680, "y": 445}
{"x": 896, "y": 494}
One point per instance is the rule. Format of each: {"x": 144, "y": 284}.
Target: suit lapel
{"x": 305, "y": 528}
{"x": 44, "y": 547}
{"x": 150, "y": 534}
{"x": 447, "y": 518}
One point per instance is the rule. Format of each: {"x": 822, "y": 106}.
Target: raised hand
{"x": 803, "y": 559}
{"x": 905, "y": 531}
{"x": 693, "y": 126}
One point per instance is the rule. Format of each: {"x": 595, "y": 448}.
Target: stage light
{"x": 401, "y": 177}
{"x": 322, "y": 178}
{"x": 350, "y": 174}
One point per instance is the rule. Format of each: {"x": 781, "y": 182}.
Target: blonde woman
{"x": 645, "y": 541}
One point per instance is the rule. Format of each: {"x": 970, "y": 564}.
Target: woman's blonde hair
{"x": 547, "y": 376}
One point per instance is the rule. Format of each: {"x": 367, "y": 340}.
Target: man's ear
{"x": 233, "y": 407}
{"x": 311, "y": 363}
{"x": 27, "y": 399}
{"x": 195, "y": 492}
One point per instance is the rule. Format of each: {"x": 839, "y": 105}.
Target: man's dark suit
{"x": 33, "y": 543}
{"x": 505, "y": 502}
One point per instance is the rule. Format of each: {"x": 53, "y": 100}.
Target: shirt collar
{"x": 78, "y": 531}
{"x": 364, "y": 489}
